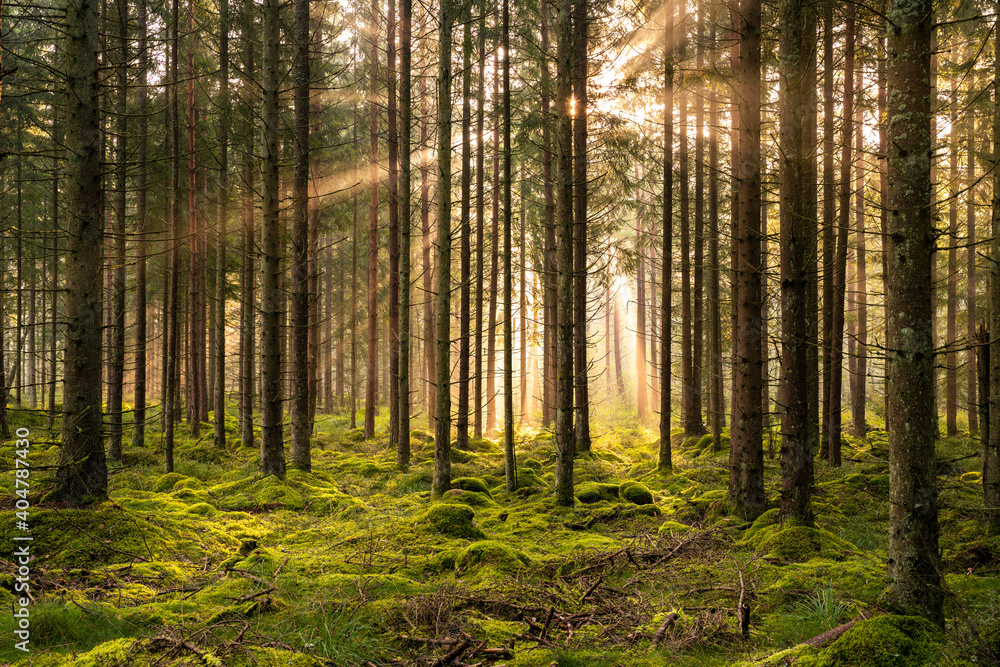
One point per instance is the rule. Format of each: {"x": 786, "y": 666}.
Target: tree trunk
{"x": 951, "y": 358}
{"x": 171, "y": 390}
{"x": 797, "y": 58}
{"x": 550, "y": 260}
{"x": 272, "y": 451}
{"x": 248, "y": 307}
{"x": 301, "y": 426}
{"x": 465, "y": 282}
{"x": 117, "y": 353}
{"x": 664, "y": 458}
{"x": 196, "y": 332}
{"x": 698, "y": 323}
{"x": 406, "y": 122}
{"x": 991, "y": 453}
{"x": 393, "y": 306}
{"x": 139, "y": 381}
{"x": 716, "y": 410}
{"x": 477, "y": 392}
{"x": 914, "y": 559}
{"x": 425, "y": 226}
{"x": 82, "y": 475}
{"x": 510, "y": 462}
{"x": 371, "y": 384}
{"x": 442, "y": 429}
{"x": 829, "y": 213}
{"x": 972, "y": 386}
{"x": 565, "y": 445}
{"x": 859, "y": 387}
{"x": 580, "y": 25}
{"x": 746, "y": 481}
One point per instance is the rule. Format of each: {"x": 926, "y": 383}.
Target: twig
{"x": 453, "y": 654}
{"x": 662, "y": 630}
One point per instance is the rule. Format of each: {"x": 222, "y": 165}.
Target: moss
{"x": 636, "y": 493}
{"x": 795, "y": 544}
{"x": 528, "y": 479}
{"x": 593, "y": 492}
{"x": 461, "y": 456}
{"x": 471, "y": 498}
{"x": 690, "y": 443}
{"x": 471, "y": 484}
{"x": 452, "y": 520}
{"x": 885, "y": 641}
{"x": 491, "y": 552}
{"x": 167, "y": 482}
{"x": 201, "y": 509}
{"x": 673, "y": 528}
{"x": 533, "y": 464}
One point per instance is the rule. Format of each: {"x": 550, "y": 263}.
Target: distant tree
{"x": 664, "y": 461}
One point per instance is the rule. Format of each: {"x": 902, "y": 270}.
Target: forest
{"x": 558, "y": 333}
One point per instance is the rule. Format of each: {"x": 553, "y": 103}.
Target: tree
{"x": 405, "y": 172}
{"x": 82, "y": 475}
{"x": 991, "y": 450}
{"x": 797, "y": 57}
{"x": 272, "y": 449}
{"x": 371, "y": 383}
{"x": 579, "y": 81}
{"x": 664, "y": 462}
{"x": 442, "y": 341}
{"x": 914, "y": 559}
{"x": 219, "y": 398}
{"x": 301, "y": 425}
{"x": 746, "y": 477}
{"x": 565, "y": 445}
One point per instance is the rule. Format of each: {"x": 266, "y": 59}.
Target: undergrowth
{"x": 355, "y": 564}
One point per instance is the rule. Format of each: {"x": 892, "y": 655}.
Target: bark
{"x": 565, "y": 445}
{"x": 171, "y": 391}
{"x": 116, "y": 388}
{"x": 716, "y": 410}
{"x": 510, "y": 462}
{"x": 580, "y": 28}
{"x": 393, "y": 306}
{"x": 690, "y": 421}
{"x": 972, "y": 406}
{"x": 477, "y": 392}
{"x": 301, "y": 425}
{"x": 425, "y": 225}
{"x": 465, "y": 282}
{"x": 951, "y": 333}
{"x": 442, "y": 428}
{"x": 405, "y": 168}
{"x": 139, "y": 381}
{"x": 697, "y": 270}
{"x": 196, "y": 331}
{"x": 859, "y": 377}
{"x": 641, "y": 367}
{"x": 272, "y": 451}
{"x": 371, "y": 383}
{"x": 746, "y": 481}
{"x": 82, "y": 475}
{"x": 797, "y": 56}
{"x": 914, "y": 558}
{"x": 219, "y": 395}
{"x": 247, "y": 275}
{"x": 829, "y": 213}
{"x": 991, "y": 452}
{"x": 833, "y": 413}
{"x": 550, "y": 260}
{"x": 664, "y": 462}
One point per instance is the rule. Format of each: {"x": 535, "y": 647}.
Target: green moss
{"x": 673, "y": 528}
{"x": 533, "y": 464}
{"x": 452, "y": 520}
{"x": 167, "y": 482}
{"x": 795, "y": 544}
{"x": 592, "y": 492}
{"x": 636, "y": 493}
{"x": 201, "y": 509}
{"x": 885, "y": 641}
{"x": 471, "y": 498}
{"x": 471, "y": 484}
{"x": 690, "y": 443}
{"x": 491, "y": 552}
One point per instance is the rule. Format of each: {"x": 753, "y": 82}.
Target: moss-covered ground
{"x": 355, "y": 564}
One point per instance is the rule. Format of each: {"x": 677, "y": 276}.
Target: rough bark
{"x": 664, "y": 458}
{"x": 797, "y": 47}
{"x": 301, "y": 426}
{"x": 393, "y": 306}
{"x": 442, "y": 429}
{"x": 510, "y": 461}
{"x": 272, "y": 451}
{"x": 219, "y": 396}
{"x": 405, "y": 172}
{"x": 465, "y": 241}
{"x": 580, "y": 28}
{"x": 746, "y": 481}
{"x": 914, "y": 558}
{"x": 991, "y": 452}
{"x": 82, "y": 475}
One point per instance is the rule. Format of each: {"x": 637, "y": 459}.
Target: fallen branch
{"x": 662, "y": 630}
{"x": 452, "y": 655}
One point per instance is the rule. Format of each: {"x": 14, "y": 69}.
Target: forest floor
{"x": 354, "y": 564}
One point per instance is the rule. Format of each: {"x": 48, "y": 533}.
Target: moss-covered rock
{"x": 471, "y": 498}
{"x": 593, "y": 492}
{"x": 498, "y": 555}
{"x": 636, "y": 493}
{"x": 885, "y": 641}
{"x": 673, "y": 528}
{"x": 166, "y": 482}
{"x": 796, "y": 544}
{"x": 453, "y": 520}
{"x": 471, "y": 484}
